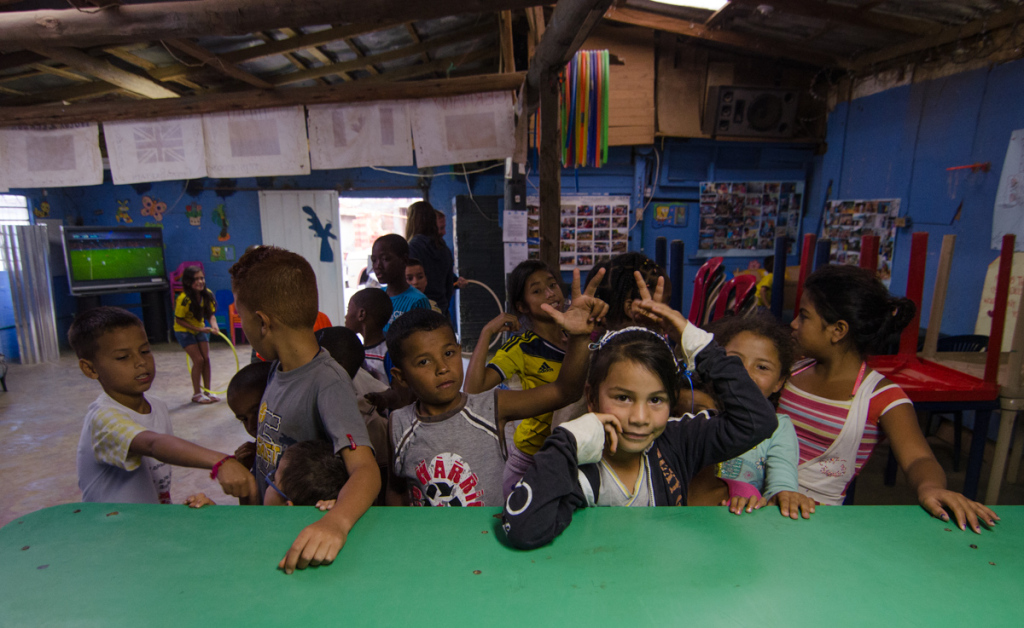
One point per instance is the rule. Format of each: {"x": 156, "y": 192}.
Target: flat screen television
{"x": 114, "y": 259}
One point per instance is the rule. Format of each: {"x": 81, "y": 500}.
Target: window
{"x": 13, "y": 211}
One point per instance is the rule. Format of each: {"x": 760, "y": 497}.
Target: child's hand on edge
{"x": 652, "y": 309}
{"x": 326, "y": 504}
{"x": 612, "y": 429}
{"x": 964, "y": 510}
{"x": 236, "y": 480}
{"x": 198, "y": 501}
{"x": 585, "y": 311}
{"x": 738, "y": 504}
{"x": 793, "y": 504}
{"x": 502, "y": 322}
{"x": 317, "y": 544}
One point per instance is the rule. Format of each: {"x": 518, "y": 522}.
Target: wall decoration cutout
{"x": 593, "y": 228}
{"x": 194, "y": 213}
{"x": 220, "y": 218}
{"x": 744, "y": 218}
{"x": 222, "y": 253}
{"x": 670, "y": 215}
{"x": 461, "y": 129}
{"x": 359, "y": 134}
{"x": 846, "y": 221}
{"x": 161, "y": 149}
{"x": 261, "y": 142}
{"x": 122, "y": 212}
{"x": 43, "y": 211}
{"x": 154, "y": 208}
{"x": 322, "y": 232}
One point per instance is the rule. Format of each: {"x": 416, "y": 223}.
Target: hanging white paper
{"x": 265, "y": 142}
{"x": 354, "y": 136}
{"x": 1008, "y": 213}
{"x": 50, "y": 157}
{"x": 461, "y": 129}
{"x": 162, "y": 149}
{"x": 515, "y": 252}
{"x": 513, "y": 226}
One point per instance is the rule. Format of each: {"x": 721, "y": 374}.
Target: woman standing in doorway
{"x": 426, "y": 245}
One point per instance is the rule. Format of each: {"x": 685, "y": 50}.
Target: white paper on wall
{"x": 515, "y": 253}
{"x": 1008, "y": 213}
{"x": 354, "y": 136}
{"x": 50, "y": 157}
{"x": 513, "y": 226}
{"x": 260, "y": 143}
{"x": 162, "y": 149}
{"x": 460, "y": 129}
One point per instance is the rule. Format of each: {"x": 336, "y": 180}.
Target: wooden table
{"x": 146, "y": 565}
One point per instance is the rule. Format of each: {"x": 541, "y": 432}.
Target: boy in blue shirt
{"x": 389, "y": 256}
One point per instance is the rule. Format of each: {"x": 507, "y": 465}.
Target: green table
{"x": 141, "y": 565}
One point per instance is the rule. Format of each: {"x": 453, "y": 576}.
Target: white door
{"x": 306, "y": 222}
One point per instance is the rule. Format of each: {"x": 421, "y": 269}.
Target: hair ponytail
{"x": 855, "y": 295}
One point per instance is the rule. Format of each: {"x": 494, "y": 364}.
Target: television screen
{"x": 114, "y": 259}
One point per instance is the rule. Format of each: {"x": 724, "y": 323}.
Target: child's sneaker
{"x": 200, "y": 398}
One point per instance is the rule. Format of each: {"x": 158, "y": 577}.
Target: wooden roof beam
{"x": 125, "y": 55}
{"x": 314, "y": 52}
{"x": 411, "y": 29}
{"x": 943, "y": 37}
{"x": 696, "y": 30}
{"x": 20, "y": 30}
{"x": 570, "y": 25}
{"x": 859, "y": 16}
{"x": 401, "y": 53}
{"x": 358, "y": 52}
{"x": 356, "y": 91}
{"x": 297, "y": 62}
{"x": 216, "y": 63}
{"x": 105, "y": 72}
{"x": 63, "y": 95}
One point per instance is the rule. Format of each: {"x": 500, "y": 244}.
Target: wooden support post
{"x": 822, "y": 251}
{"x": 779, "y": 276}
{"x": 661, "y": 250}
{"x": 675, "y": 273}
{"x": 915, "y": 289}
{"x": 931, "y": 338}
{"x": 550, "y": 170}
{"x": 995, "y": 337}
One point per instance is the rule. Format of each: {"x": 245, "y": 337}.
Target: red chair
{"x": 235, "y": 324}
{"x": 706, "y": 286}
{"x": 738, "y": 295}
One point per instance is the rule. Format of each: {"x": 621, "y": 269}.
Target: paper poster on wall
{"x": 591, "y": 229}
{"x": 983, "y": 324}
{"x": 744, "y": 218}
{"x": 515, "y": 252}
{"x": 461, "y": 129}
{"x": 259, "y": 143}
{"x": 53, "y": 156}
{"x": 358, "y": 135}
{"x": 514, "y": 225}
{"x": 222, "y": 253}
{"x": 845, "y": 222}
{"x": 1008, "y": 213}
{"x": 155, "y": 150}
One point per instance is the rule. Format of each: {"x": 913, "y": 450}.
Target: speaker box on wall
{"x": 733, "y": 111}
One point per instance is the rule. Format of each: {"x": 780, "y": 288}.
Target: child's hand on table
{"x": 317, "y": 544}
{"x": 198, "y": 501}
{"x": 793, "y": 504}
{"x": 938, "y": 501}
{"x": 585, "y": 311}
{"x": 326, "y": 504}
{"x": 739, "y": 504}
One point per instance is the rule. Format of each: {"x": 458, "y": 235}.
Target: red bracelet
{"x": 216, "y": 467}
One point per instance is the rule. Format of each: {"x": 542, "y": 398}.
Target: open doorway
{"x": 362, "y": 221}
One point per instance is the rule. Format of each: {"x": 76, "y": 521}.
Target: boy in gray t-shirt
{"x": 447, "y": 446}
{"x": 309, "y": 396}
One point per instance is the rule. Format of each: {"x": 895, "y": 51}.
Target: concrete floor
{"x": 41, "y": 420}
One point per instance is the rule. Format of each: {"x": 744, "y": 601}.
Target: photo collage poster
{"x": 744, "y": 218}
{"x": 846, "y": 221}
{"x": 591, "y": 229}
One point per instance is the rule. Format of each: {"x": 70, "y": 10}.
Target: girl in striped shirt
{"x": 841, "y": 408}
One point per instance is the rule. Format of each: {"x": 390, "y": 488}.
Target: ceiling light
{"x": 711, "y": 5}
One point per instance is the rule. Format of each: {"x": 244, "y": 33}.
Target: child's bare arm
{"x": 578, "y": 322}
{"x": 478, "y": 377}
{"x": 234, "y": 478}
{"x": 926, "y": 475}
{"x": 320, "y": 542}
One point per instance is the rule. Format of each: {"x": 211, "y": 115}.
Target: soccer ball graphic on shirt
{"x": 447, "y": 480}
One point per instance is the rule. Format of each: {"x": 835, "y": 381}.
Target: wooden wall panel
{"x": 631, "y": 101}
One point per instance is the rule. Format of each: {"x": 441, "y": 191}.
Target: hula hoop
{"x": 188, "y": 363}
{"x": 501, "y": 308}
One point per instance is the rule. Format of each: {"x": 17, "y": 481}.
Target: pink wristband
{"x": 216, "y": 467}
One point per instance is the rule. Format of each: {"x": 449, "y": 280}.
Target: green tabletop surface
{"x": 147, "y": 565}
